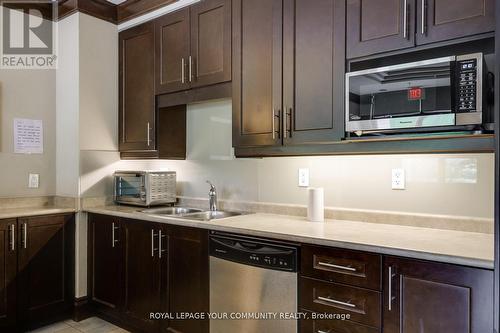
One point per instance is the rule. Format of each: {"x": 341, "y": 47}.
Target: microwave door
{"x": 417, "y": 91}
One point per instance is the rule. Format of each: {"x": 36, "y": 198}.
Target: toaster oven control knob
{"x": 143, "y": 195}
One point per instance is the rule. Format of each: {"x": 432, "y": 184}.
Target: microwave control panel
{"x": 467, "y": 85}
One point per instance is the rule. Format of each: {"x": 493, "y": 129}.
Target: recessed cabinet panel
{"x": 137, "y": 100}
{"x": 439, "y": 20}
{"x": 210, "y": 42}
{"x": 375, "y": 26}
{"x": 172, "y": 52}
{"x": 257, "y": 41}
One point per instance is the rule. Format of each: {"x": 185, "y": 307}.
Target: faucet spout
{"x": 212, "y": 197}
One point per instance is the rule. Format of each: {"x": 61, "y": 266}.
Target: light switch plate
{"x": 398, "y": 179}
{"x": 34, "y": 180}
{"x": 303, "y": 177}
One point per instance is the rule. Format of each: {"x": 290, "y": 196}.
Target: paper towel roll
{"x": 316, "y": 204}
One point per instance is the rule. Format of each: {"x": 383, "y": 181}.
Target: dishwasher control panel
{"x": 254, "y": 252}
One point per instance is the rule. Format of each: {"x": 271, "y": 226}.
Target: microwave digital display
{"x": 415, "y": 94}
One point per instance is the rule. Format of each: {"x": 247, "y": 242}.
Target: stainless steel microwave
{"x": 145, "y": 188}
{"x": 442, "y": 92}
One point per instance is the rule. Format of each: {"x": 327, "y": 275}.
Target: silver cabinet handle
{"x": 334, "y": 301}
{"x": 389, "y": 291}
{"x": 12, "y": 229}
{"x": 274, "y": 125}
{"x": 190, "y": 69}
{"x": 113, "y": 237}
{"x": 160, "y": 246}
{"x": 345, "y": 268}
{"x": 182, "y": 71}
{"x": 153, "y": 243}
{"x": 148, "y": 134}
{"x": 424, "y": 16}
{"x": 405, "y": 19}
{"x": 321, "y": 331}
{"x": 25, "y": 235}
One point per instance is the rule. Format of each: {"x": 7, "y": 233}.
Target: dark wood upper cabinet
{"x": 173, "y": 52}
{"x": 8, "y": 270}
{"x": 257, "y": 72}
{"x": 287, "y": 60}
{"x": 188, "y": 290}
{"x": 210, "y": 60}
{"x": 136, "y": 89}
{"x": 144, "y": 269}
{"x": 45, "y": 267}
{"x": 435, "y": 298}
{"x": 313, "y": 65}
{"x": 439, "y": 20}
{"x": 379, "y": 25}
{"x": 105, "y": 243}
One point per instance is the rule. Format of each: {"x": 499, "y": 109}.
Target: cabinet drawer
{"x": 362, "y": 305}
{"x": 334, "y": 326}
{"x": 344, "y": 266}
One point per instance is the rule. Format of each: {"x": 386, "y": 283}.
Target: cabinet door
{"x": 210, "y": 60}
{"x": 172, "y": 52}
{"x": 105, "y": 246}
{"x": 379, "y": 25}
{"x": 435, "y": 298}
{"x": 137, "y": 97}
{"x": 257, "y": 70}
{"x": 46, "y": 267}
{"x": 143, "y": 269}
{"x": 313, "y": 62}
{"x": 439, "y": 20}
{"x": 8, "y": 269}
{"x": 189, "y": 279}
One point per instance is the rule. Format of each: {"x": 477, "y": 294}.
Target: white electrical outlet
{"x": 398, "y": 179}
{"x": 303, "y": 177}
{"x": 34, "y": 180}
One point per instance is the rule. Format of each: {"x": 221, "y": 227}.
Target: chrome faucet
{"x": 212, "y": 197}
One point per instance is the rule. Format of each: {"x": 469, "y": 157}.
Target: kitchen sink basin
{"x": 210, "y": 215}
{"x": 171, "y": 211}
{"x": 189, "y": 213}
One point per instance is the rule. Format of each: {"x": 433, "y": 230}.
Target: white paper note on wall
{"x": 28, "y": 136}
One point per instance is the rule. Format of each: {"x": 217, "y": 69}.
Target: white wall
{"x": 449, "y": 184}
{"x": 68, "y": 94}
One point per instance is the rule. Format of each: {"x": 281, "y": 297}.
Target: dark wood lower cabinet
{"x": 8, "y": 270}
{"x": 45, "y": 267}
{"x": 36, "y": 271}
{"x": 435, "y": 298}
{"x": 145, "y": 272}
{"x": 189, "y": 279}
{"x": 165, "y": 269}
{"x": 105, "y": 263}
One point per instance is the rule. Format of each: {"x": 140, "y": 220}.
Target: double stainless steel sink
{"x": 189, "y": 213}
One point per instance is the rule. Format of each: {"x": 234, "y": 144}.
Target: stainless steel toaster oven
{"x": 145, "y": 188}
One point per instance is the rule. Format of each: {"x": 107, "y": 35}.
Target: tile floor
{"x": 90, "y": 325}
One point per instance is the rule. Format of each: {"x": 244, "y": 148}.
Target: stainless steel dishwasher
{"x": 252, "y": 277}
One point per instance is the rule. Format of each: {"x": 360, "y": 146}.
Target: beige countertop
{"x": 448, "y": 246}
{"x": 7, "y": 213}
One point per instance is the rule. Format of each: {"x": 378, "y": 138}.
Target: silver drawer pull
{"x": 345, "y": 268}
{"x": 330, "y": 300}
{"x": 321, "y": 331}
